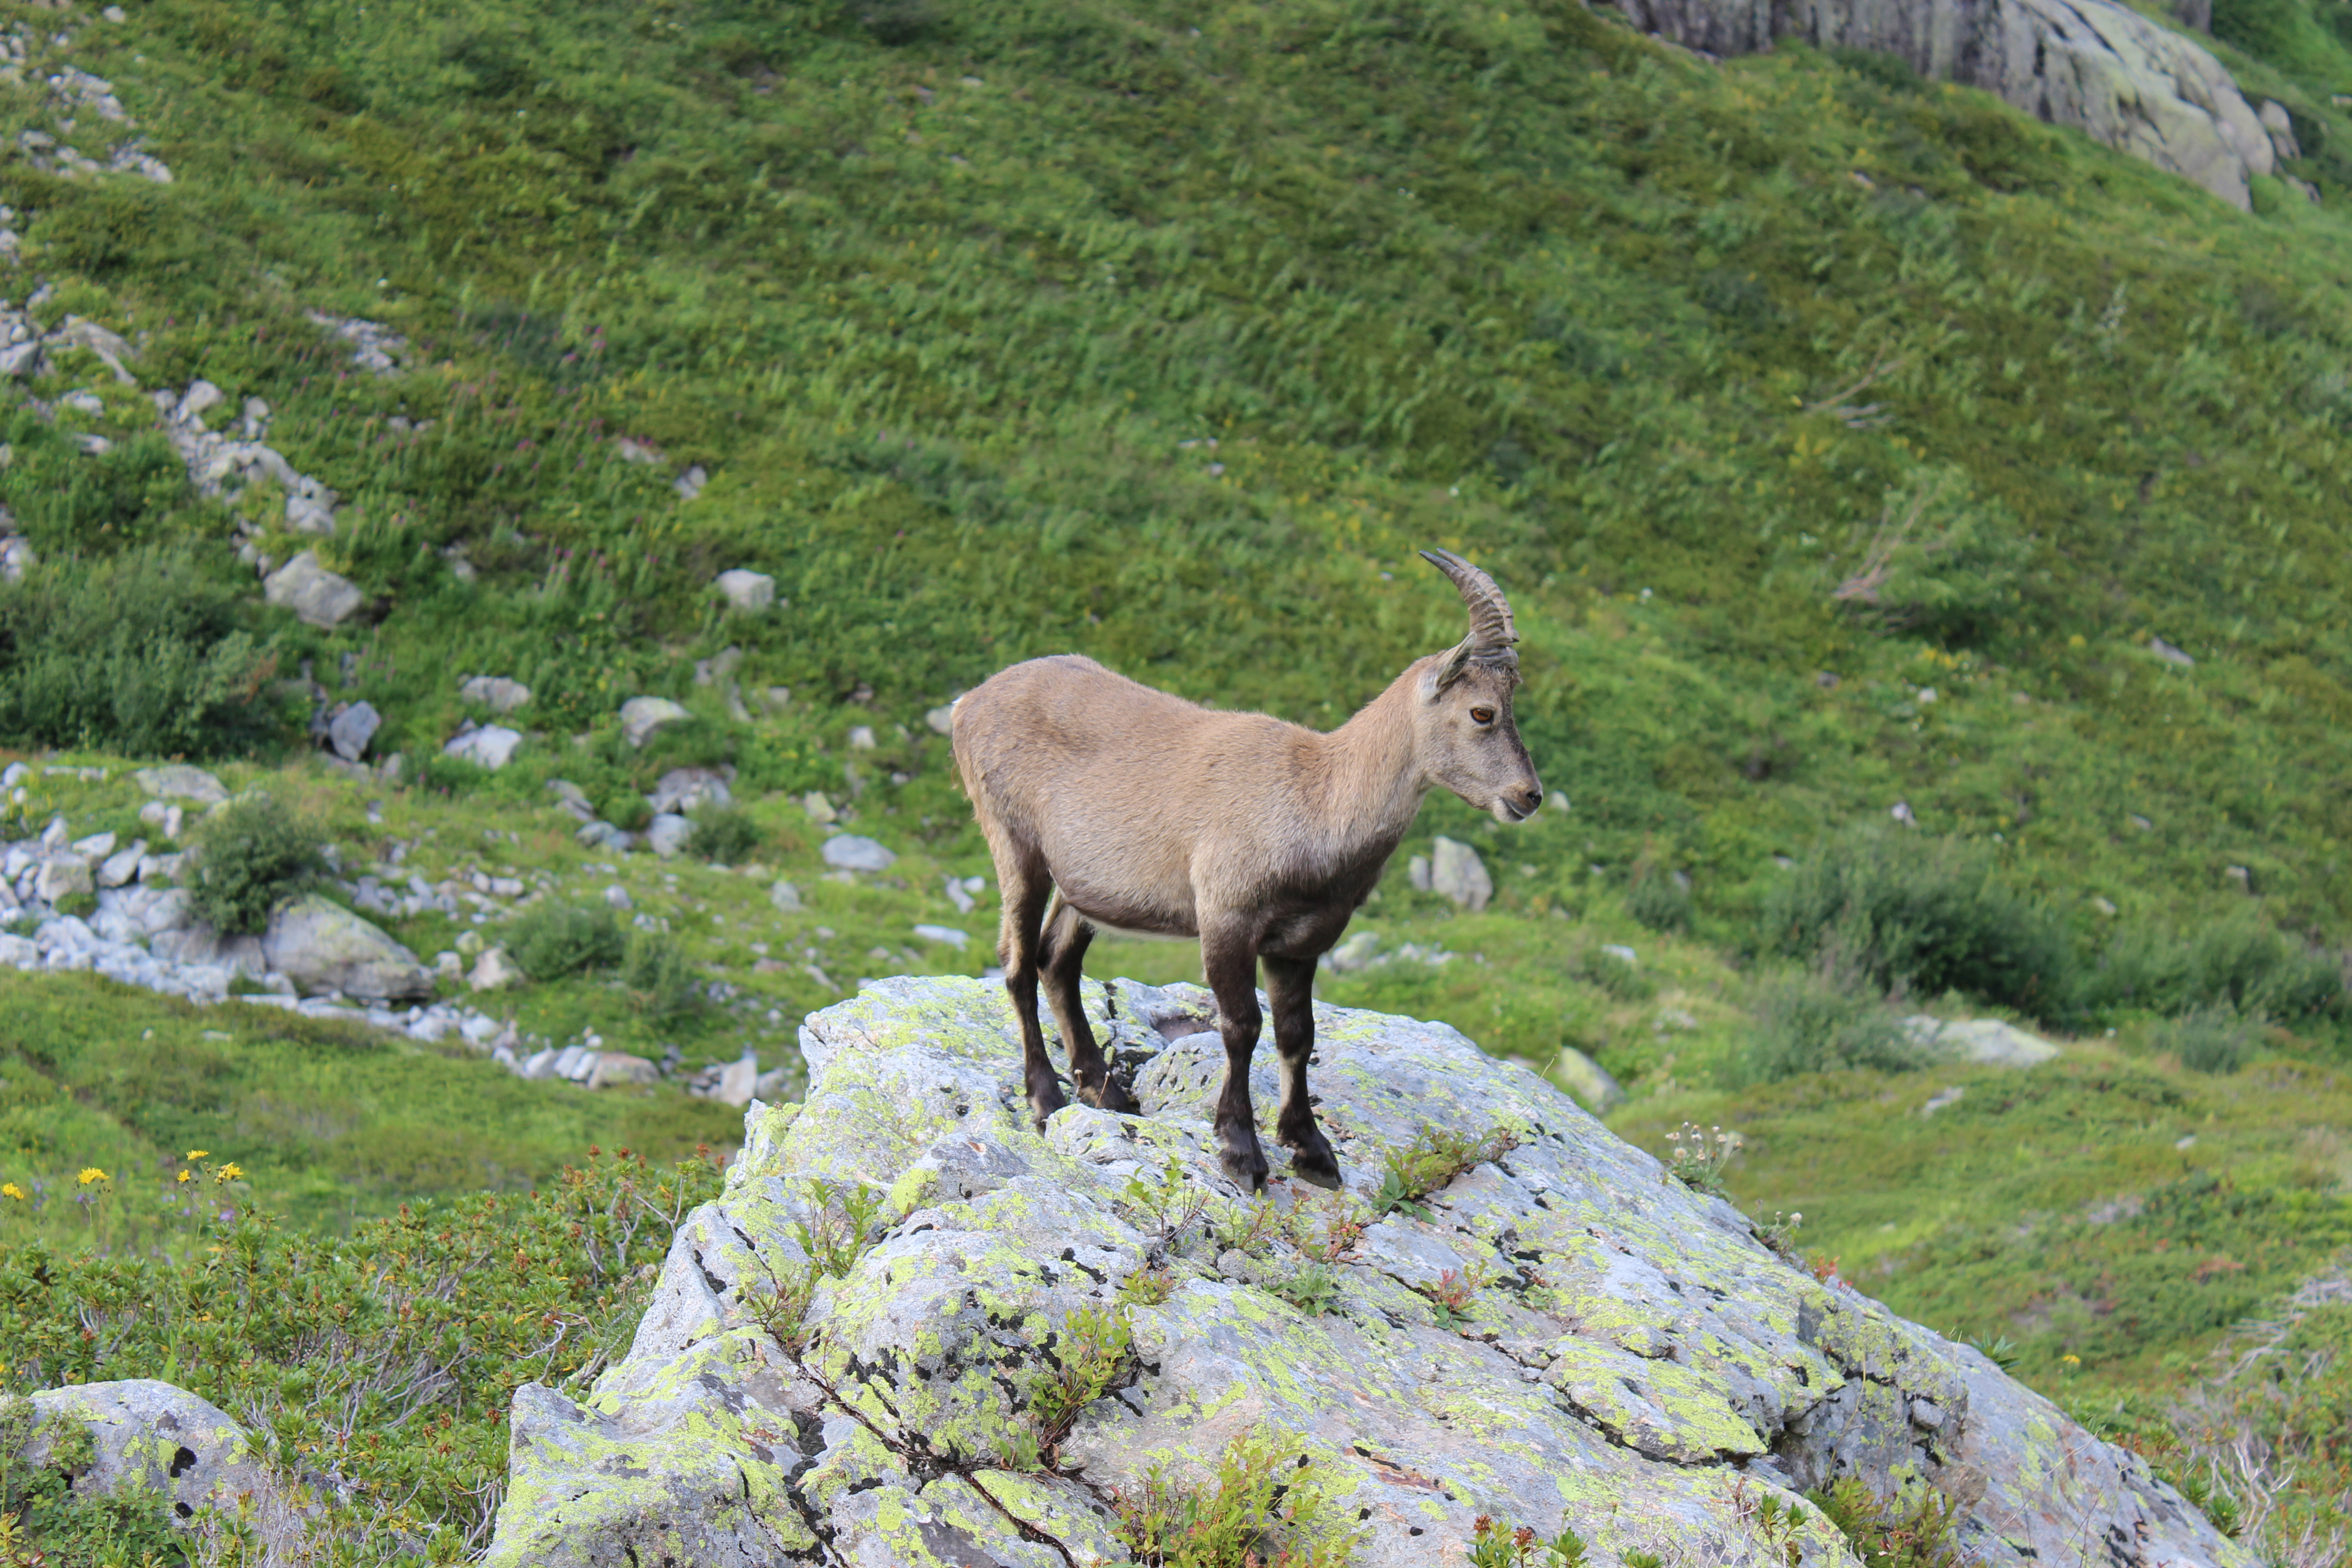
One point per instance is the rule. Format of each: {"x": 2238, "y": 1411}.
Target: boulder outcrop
{"x": 1562, "y": 1334}
{"x": 2099, "y": 67}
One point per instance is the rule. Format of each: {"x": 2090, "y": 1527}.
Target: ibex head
{"x": 1469, "y": 741}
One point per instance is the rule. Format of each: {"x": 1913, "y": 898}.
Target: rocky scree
{"x": 1570, "y": 1336}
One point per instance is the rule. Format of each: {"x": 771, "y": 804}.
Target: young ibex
{"x": 1146, "y": 813}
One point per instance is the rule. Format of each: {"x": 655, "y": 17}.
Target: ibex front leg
{"x": 1229, "y": 962}
{"x": 1290, "y": 988}
{"x": 1068, "y": 932}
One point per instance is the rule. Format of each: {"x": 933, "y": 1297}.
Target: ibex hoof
{"x": 1044, "y": 1104}
{"x": 1108, "y": 1096}
{"x": 1318, "y": 1169}
{"x": 1247, "y": 1169}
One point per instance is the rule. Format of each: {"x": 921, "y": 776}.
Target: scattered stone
{"x": 314, "y": 593}
{"x": 2169, "y": 654}
{"x": 97, "y": 847}
{"x": 494, "y": 971}
{"x": 2104, "y": 906}
{"x": 492, "y": 746}
{"x": 618, "y": 898}
{"x": 1986, "y": 1041}
{"x": 819, "y": 808}
{"x": 2241, "y": 875}
{"x": 750, "y": 593}
{"x": 324, "y": 947}
{"x": 499, "y": 693}
{"x": 962, "y": 899}
{"x": 122, "y": 866}
{"x": 668, "y": 833}
{"x": 689, "y": 484}
{"x": 941, "y": 718}
{"x": 1416, "y": 871}
{"x": 1456, "y": 873}
{"x": 852, "y": 853}
{"x": 641, "y": 716}
{"x": 352, "y": 728}
{"x": 614, "y": 1068}
{"x": 1622, "y": 953}
{"x": 740, "y": 1081}
{"x": 1356, "y": 952}
{"x": 603, "y": 836}
{"x": 947, "y": 936}
{"x": 1943, "y": 1098}
{"x": 785, "y": 897}
{"x": 373, "y": 344}
{"x": 718, "y": 666}
{"x": 178, "y": 780}
{"x": 1668, "y": 1376}
{"x": 684, "y": 789}
{"x": 1594, "y": 1088}
{"x": 63, "y": 877}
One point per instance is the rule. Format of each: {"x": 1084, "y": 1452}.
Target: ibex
{"x": 1140, "y": 811}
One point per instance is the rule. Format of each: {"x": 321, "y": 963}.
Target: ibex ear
{"x": 1445, "y": 673}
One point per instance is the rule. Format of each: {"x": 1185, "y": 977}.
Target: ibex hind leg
{"x": 1290, "y": 988}
{"x": 1231, "y": 967}
{"x": 1026, "y": 889}
{"x": 1064, "y": 951}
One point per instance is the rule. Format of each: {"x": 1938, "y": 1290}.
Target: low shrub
{"x": 1917, "y": 1528}
{"x": 556, "y": 940}
{"x": 251, "y": 858}
{"x": 724, "y": 836}
{"x": 1908, "y": 914}
{"x": 144, "y": 654}
{"x": 1268, "y": 1503}
{"x": 1659, "y": 902}
{"x": 1807, "y": 1023}
{"x": 2215, "y": 1039}
{"x": 659, "y": 978}
{"x": 2238, "y": 961}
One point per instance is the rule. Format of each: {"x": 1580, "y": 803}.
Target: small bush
{"x": 556, "y": 940}
{"x": 659, "y": 978}
{"x": 1807, "y": 1023}
{"x": 1918, "y": 1528}
{"x": 1267, "y": 1504}
{"x": 252, "y": 858}
{"x": 2238, "y": 962}
{"x": 1659, "y": 902}
{"x": 143, "y": 654}
{"x": 1923, "y": 916}
{"x": 2215, "y": 1039}
{"x": 724, "y": 836}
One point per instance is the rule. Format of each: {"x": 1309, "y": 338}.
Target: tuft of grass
{"x": 725, "y": 835}
{"x": 253, "y": 855}
{"x": 1807, "y": 1022}
{"x": 552, "y": 941}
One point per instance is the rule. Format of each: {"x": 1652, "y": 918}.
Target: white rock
{"x": 941, "y": 718}
{"x": 689, "y": 484}
{"x": 1456, "y": 873}
{"x": 499, "y": 693}
{"x": 314, "y": 593}
{"x": 494, "y": 971}
{"x": 819, "y": 809}
{"x": 684, "y": 789}
{"x": 668, "y": 833}
{"x": 618, "y": 898}
{"x": 351, "y": 731}
{"x": 962, "y": 899}
{"x": 492, "y": 746}
{"x": 14, "y": 775}
{"x": 852, "y": 853}
{"x": 1986, "y": 1041}
{"x": 752, "y": 593}
{"x": 122, "y": 866}
{"x": 1416, "y": 871}
{"x": 947, "y": 936}
{"x": 738, "y": 1082}
{"x": 310, "y": 514}
{"x": 64, "y": 876}
{"x": 178, "y": 780}
{"x": 785, "y": 897}
{"x": 641, "y": 716}
{"x": 614, "y": 1068}
{"x": 861, "y": 738}
{"x": 97, "y": 847}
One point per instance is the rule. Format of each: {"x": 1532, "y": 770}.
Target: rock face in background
{"x": 2099, "y": 67}
{"x": 1631, "y": 1360}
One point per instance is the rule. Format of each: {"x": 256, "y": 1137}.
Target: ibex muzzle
{"x": 1148, "y": 813}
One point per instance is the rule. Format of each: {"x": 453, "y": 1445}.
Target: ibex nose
{"x": 1528, "y": 799}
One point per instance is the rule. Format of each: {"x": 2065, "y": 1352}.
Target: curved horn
{"x": 1491, "y": 629}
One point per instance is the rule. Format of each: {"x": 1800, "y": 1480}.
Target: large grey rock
{"x": 851, "y": 852}
{"x": 178, "y": 780}
{"x": 641, "y": 716}
{"x": 668, "y": 833}
{"x": 1595, "y": 1088}
{"x": 351, "y": 731}
{"x": 499, "y": 693}
{"x": 1455, "y": 871}
{"x": 1635, "y": 1363}
{"x": 683, "y": 789}
{"x": 492, "y": 746}
{"x": 750, "y": 592}
{"x": 311, "y": 592}
{"x": 324, "y": 947}
{"x": 2098, "y": 66}
{"x": 1988, "y": 1042}
{"x": 62, "y": 877}
{"x": 153, "y": 1437}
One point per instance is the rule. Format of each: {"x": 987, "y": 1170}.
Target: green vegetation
{"x": 254, "y": 856}
{"x": 725, "y": 835}
{"x": 341, "y": 1353}
{"x": 40, "y": 1512}
{"x": 555, "y": 940}
{"x": 1266, "y": 1504}
{"x": 1915, "y": 1529}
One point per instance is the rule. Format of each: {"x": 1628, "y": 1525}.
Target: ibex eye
{"x": 1482, "y": 715}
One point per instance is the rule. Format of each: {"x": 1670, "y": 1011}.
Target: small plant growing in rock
{"x": 252, "y": 857}
{"x": 1171, "y": 1206}
{"x": 1497, "y": 1545}
{"x": 1779, "y": 1233}
{"x": 1453, "y": 1297}
{"x": 1696, "y": 1156}
{"x": 1313, "y": 1288}
{"x": 1094, "y": 1352}
{"x": 1147, "y": 1288}
{"x": 1341, "y": 1231}
{"x": 841, "y": 1228}
{"x": 1917, "y": 1528}
{"x": 1247, "y": 1226}
{"x": 1434, "y": 1158}
{"x": 1267, "y": 1508}
{"x": 1771, "y": 1524}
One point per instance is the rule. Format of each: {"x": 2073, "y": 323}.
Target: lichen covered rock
{"x": 1568, "y": 1337}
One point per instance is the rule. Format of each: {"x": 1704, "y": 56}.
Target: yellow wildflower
{"x": 198, "y": 1154}
{"x": 91, "y": 1173}
{"x": 11, "y": 1190}
{"x": 232, "y": 1171}
{"x": 186, "y": 1175}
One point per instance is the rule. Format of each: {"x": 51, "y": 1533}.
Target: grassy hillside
{"x": 1845, "y": 442}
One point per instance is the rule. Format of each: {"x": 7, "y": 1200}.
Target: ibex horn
{"x": 1491, "y": 631}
